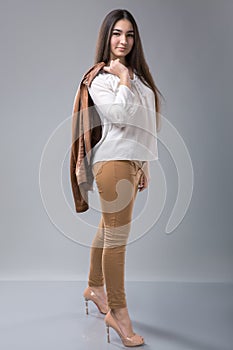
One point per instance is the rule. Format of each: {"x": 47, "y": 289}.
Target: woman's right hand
{"x": 118, "y": 69}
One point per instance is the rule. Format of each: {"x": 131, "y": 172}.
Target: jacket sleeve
{"x": 116, "y": 106}
{"x": 77, "y": 169}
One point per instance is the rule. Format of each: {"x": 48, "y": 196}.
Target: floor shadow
{"x": 174, "y": 337}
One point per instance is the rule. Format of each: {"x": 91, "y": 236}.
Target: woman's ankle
{"x": 121, "y": 312}
{"x": 99, "y": 290}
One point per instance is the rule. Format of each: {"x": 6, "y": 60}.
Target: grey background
{"x": 46, "y": 46}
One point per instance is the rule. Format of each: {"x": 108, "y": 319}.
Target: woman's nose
{"x": 123, "y": 40}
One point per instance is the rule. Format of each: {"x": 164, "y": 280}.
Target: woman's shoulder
{"x": 105, "y": 79}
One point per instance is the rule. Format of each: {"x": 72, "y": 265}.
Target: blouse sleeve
{"x": 117, "y": 106}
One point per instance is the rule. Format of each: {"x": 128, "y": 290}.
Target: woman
{"x": 128, "y": 103}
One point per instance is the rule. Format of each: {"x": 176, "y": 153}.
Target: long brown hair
{"x": 135, "y": 59}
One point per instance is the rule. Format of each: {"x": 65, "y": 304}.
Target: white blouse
{"x": 128, "y": 120}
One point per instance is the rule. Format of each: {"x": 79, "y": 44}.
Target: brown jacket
{"x": 86, "y": 132}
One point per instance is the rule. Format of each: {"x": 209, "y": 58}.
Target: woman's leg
{"x": 96, "y": 278}
{"x": 117, "y": 184}
{"x": 95, "y": 290}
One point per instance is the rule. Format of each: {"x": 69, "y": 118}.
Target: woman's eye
{"x": 128, "y": 35}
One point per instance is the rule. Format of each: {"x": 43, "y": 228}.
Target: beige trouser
{"x": 117, "y": 183}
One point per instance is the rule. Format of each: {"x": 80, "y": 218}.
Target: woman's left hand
{"x": 143, "y": 183}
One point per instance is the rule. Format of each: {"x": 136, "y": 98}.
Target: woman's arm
{"x": 118, "y": 107}
{"x": 145, "y": 177}
{"x": 146, "y": 170}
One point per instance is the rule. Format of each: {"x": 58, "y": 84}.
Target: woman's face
{"x": 122, "y": 39}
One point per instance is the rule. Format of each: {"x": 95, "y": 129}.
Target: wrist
{"x": 125, "y": 79}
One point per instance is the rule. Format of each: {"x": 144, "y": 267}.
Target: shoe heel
{"x": 108, "y": 333}
{"x": 86, "y": 306}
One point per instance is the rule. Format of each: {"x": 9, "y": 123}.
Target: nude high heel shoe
{"x": 89, "y": 294}
{"x": 110, "y": 321}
